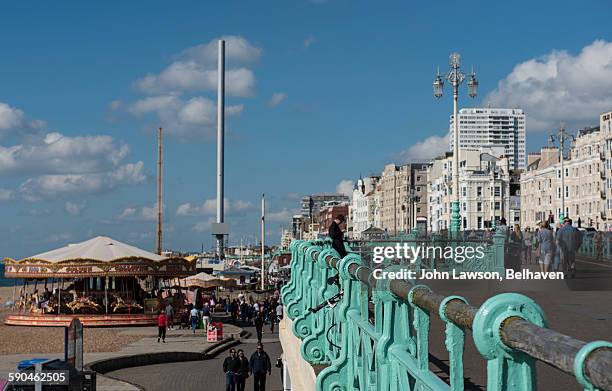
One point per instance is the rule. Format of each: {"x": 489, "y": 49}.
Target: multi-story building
{"x": 484, "y": 185}
{"x": 587, "y": 181}
{"x": 363, "y": 206}
{"x": 494, "y": 131}
{"x": 328, "y": 214}
{"x": 403, "y": 196}
{"x": 318, "y": 201}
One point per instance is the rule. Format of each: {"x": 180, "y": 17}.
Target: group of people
{"x": 250, "y": 311}
{"x": 553, "y": 251}
{"x": 238, "y": 368}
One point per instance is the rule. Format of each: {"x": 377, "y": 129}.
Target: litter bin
{"x": 24, "y": 364}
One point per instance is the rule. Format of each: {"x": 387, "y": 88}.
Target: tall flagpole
{"x": 263, "y": 239}
{"x": 159, "y": 190}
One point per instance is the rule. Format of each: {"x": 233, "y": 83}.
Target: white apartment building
{"x": 587, "y": 177}
{"x": 363, "y": 206}
{"x": 493, "y": 130}
{"x": 403, "y": 196}
{"x": 484, "y": 185}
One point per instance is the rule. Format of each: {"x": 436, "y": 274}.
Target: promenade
{"x": 176, "y": 341}
{"x": 203, "y": 375}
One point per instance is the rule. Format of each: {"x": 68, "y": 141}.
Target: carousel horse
{"x": 120, "y": 304}
{"x": 82, "y": 303}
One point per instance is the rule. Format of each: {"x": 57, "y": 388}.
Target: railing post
{"x": 507, "y": 369}
{"x": 337, "y": 377}
{"x": 287, "y": 290}
{"x": 295, "y": 300}
{"x": 303, "y": 324}
{"x": 455, "y": 342}
{"x": 314, "y": 347}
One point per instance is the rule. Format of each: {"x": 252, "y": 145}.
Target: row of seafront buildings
{"x": 497, "y": 179}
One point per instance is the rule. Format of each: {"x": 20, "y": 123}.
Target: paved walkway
{"x": 202, "y": 375}
{"x": 176, "y": 341}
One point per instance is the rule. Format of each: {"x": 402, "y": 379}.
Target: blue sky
{"x": 322, "y": 91}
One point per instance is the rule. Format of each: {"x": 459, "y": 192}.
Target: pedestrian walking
{"x": 193, "y": 318}
{"x": 337, "y": 236}
{"x": 272, "y": 316}
{"x": 161, "y": 326}
{"x": 206, "y": 317}
{"x": 546, "y": 246}
{"x": 527, "y": 243}
{"x": 259, "y": 323}
{"x": 260, "y": 366}
{"x": 231, "y": 368}
{"x": 279, "y": 312}
{"x": 244, "y": 370}
{"x": 570, "y": 240}
{"x": 169, "y": 316}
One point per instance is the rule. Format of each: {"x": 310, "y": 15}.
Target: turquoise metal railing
{"x": 597, "y": 248}
{"x": 376, "y": 335}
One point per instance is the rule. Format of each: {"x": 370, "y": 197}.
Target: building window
{"x": 479, "y": 222}
{"x": 497, "y": 191}
{"x": 497, "y": 205}
{"x": 479, "y": 206}
{"x": 479, "y": 191}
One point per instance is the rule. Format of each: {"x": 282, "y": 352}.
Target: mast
{"x": 159, "y": 190}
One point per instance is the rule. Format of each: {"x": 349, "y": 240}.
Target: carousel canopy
{"x": 100, "y": 248}
{"x": 100, "y": 256}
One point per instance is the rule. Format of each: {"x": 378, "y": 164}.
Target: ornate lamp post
{"x": 455, "y": 77}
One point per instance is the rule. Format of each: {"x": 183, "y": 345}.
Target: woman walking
{"x": 546, "y": 245}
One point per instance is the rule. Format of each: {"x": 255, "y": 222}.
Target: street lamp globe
{"x": 438, "y": 86}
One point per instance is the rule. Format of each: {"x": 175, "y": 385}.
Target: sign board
{"x": 73, "y": 344}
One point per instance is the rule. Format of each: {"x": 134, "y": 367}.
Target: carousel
{"x": 101, "y": 281}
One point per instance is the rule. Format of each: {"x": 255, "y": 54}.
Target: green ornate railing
{"x": 592, "y": 249}
{"x": 376, "y": 335}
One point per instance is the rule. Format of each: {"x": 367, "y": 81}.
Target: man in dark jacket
{"x": 260, "y": 366}
{"x": 244, "y": 370}
{"x": 570, "y": 240}
{"x": 259, "y": 323}
{"x": 337, "y": 236}
{"x": 232, "y": 369}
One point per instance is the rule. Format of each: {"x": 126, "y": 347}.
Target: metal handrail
{"x": 551, "y": 347}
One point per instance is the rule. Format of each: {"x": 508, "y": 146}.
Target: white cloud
{"x": 195, "y": 69}
{"x": 345, "y": 187}
{"x": 35, "y": 189}
{"x": 127, "y": 212}
{"x": 14, "y": 119}
{"x": 309, "y": 41}
{"x": 74, "y": 208}
{"x": 209, "y": 207}
{"x": 145, "y": 213}
{"x": 56, "y": 154}
{"x": 183, "y": 118}
{"x": 429, "y": 148}
{"x": 284, "y": 215}
{"x": 6, "y": 194}
{"x": 203, "y": 226}
{"x": 277, "y": 98}
{"x": 560, "y": 87}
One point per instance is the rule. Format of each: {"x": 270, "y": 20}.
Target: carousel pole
{"x": 59, "y": 296}
{"x": 106, "y": 294}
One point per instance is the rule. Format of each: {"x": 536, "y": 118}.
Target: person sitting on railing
{"x": 337, "y": 236}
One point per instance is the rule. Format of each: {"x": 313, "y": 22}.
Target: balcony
{"x": 603, "y": 194}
